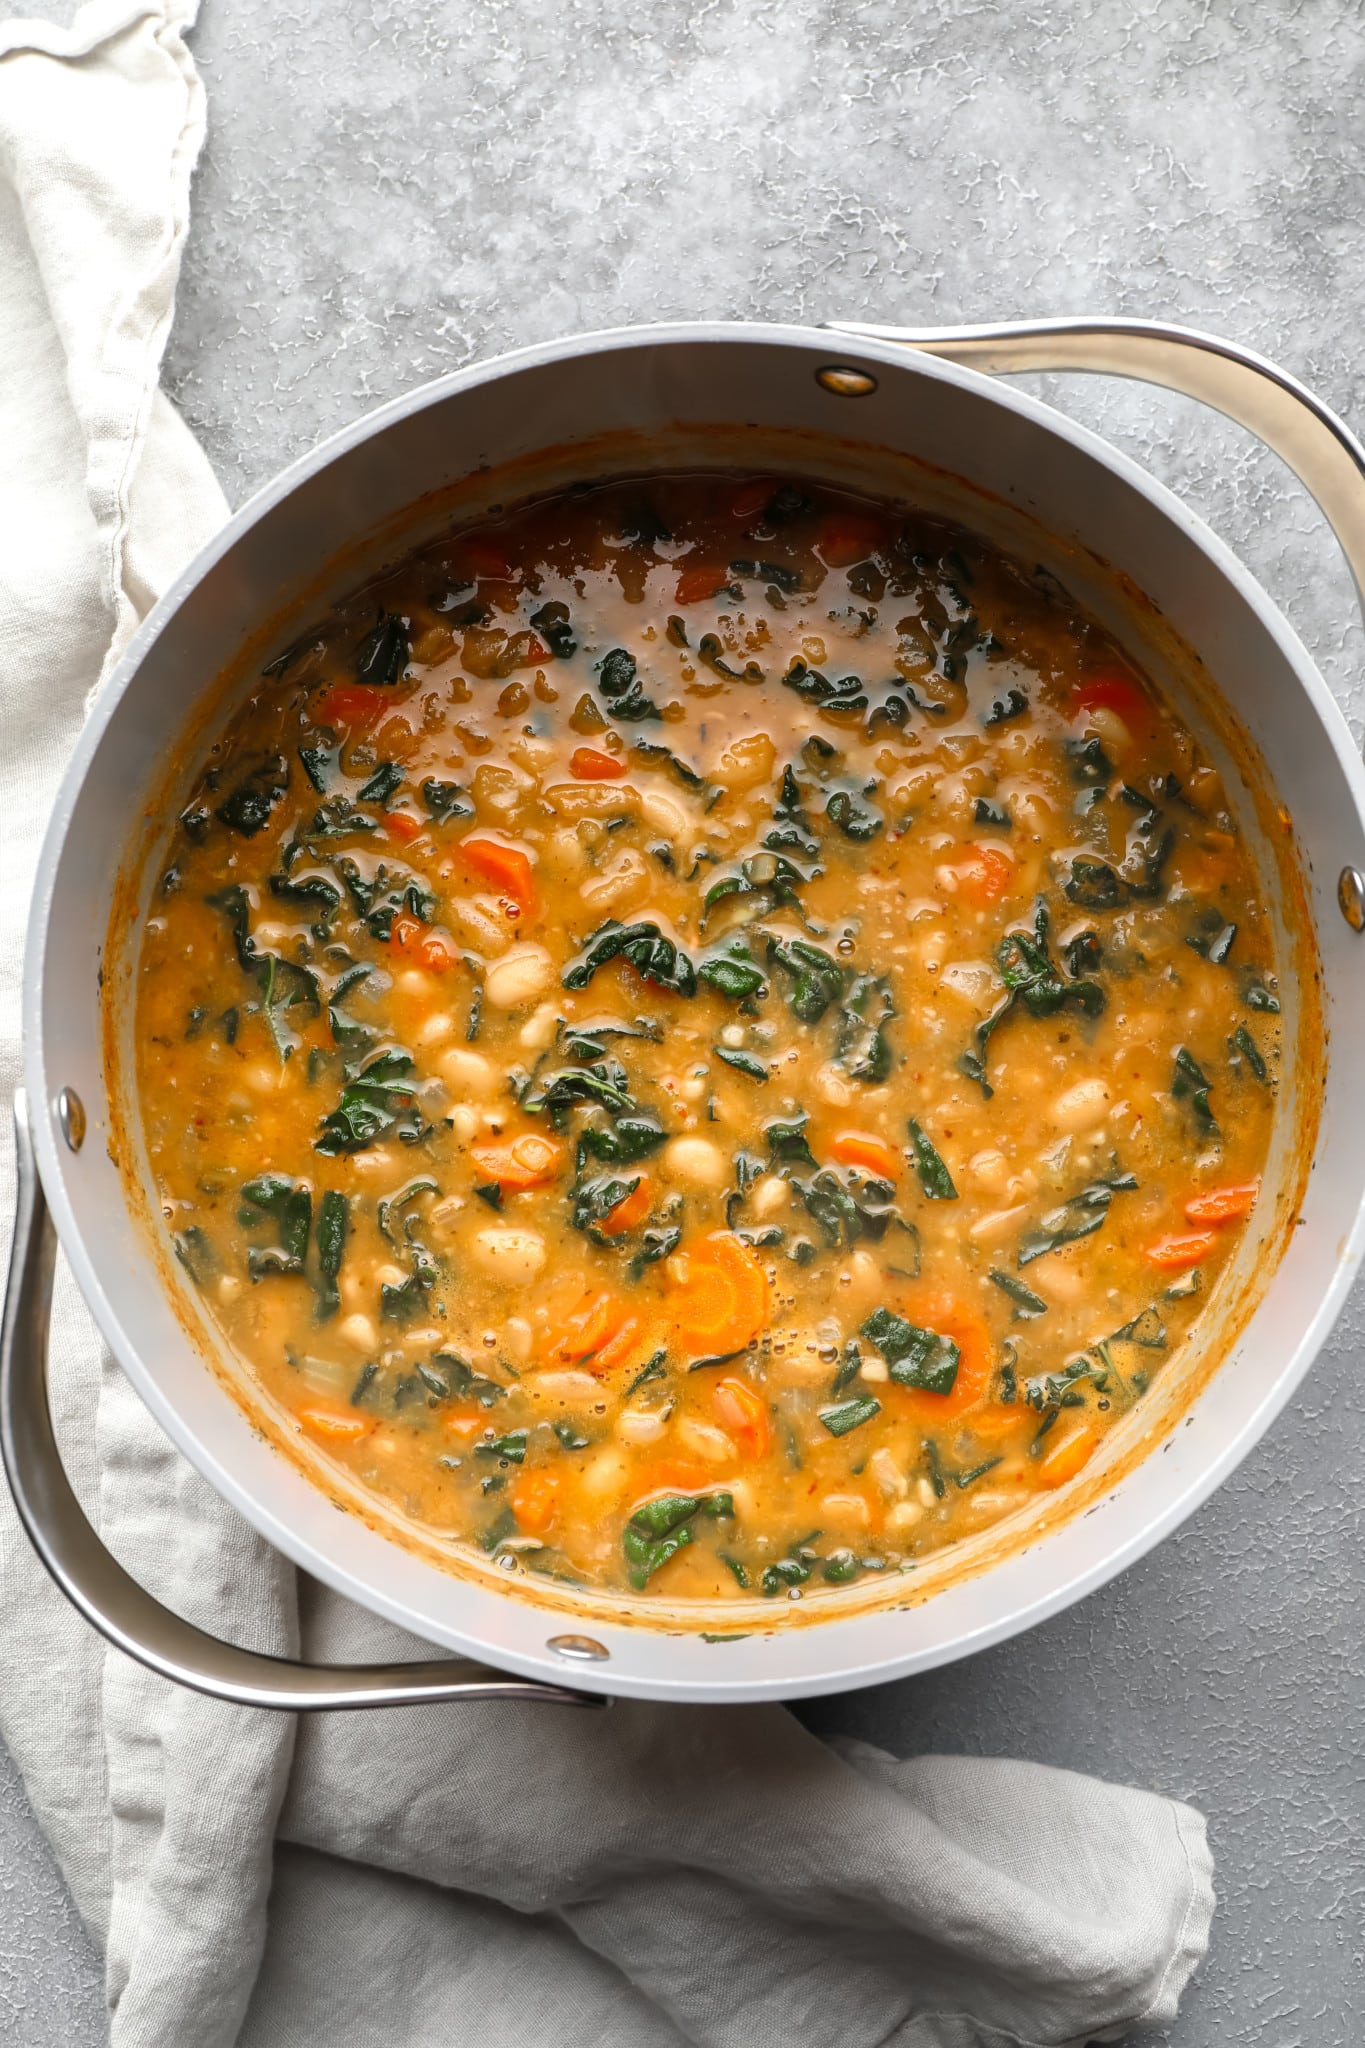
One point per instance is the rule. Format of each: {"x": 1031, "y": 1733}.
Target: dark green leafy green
{"x": 193, "y": 1248}
{"x": 382, "y": 657}
{"x": 619, "y": 682}
{"x": 659, "y": 1529}
{"x": 286, "y": 1204}
{"x": 848, "y": 1415}
{"x": 732, "y": 971}
{"x": 379, "y": 1097}
{"x": 1191, "y": 1084}
{"x": 446, "y": 799}
{"x": 384, "y": 783}
{"x": 743, "y": 1062}
{"x": 817, "y": 980}
{"x": 989, "y": 813}
{"x": 1031, "y": 979}
{"x": 1027, "y": 1304}
{"x": 512, "y": 1447}
{"x": 934, "y": 1176}
{"x": 787, "y": 1142}
{"x": 791, "y": 831}
{"x": 330, "y": 1238}
{"x": 657, "y": 958}
{"x": 1013, "y": 703}
{"x": 1242, "y": 1043}
{"x": 914, "y": 1357}
{"x": 247, "y": 808}
{"x": 855, "y": 817}
{"x": 552, "y": 623}
{"x": 464, "y": 1383}
{"x": 862, "y": 1048}
{"x": 1075, "y": 1218}
{"x": 842, "y": 693}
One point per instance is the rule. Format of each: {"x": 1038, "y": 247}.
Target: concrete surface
{"x": 394, "y": 187}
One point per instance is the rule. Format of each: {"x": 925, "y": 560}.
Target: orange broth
{"x": 707, "y": 1035}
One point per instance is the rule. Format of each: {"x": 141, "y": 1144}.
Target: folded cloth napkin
{"x": 519, "y": 1875}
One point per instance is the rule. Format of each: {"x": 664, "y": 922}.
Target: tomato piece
{"x": 848, "y": 537}
{"x": 631, "y": 1210}
{"x": 984, "y": 875}
{"x": 525, "y": 1162}
{"x": 1114, "y": 693}
{"x": 402, "y": 825}
{"x": 536, "y": 650}
{"x": 1223, "y": 1205}
{"x": 479, "y": 556}
{"x": 860, "y": 1148}
{"x": 719, "y": 1300}
{"x": 698, "y": 581}
{"x": 408, "y": 934}
{"x": 742, "y": 1413}
{"x": 348, "y": 704}
{"x": 750, "y": 499}
{"x": 1059, "y": 1465}
{"x": 329, "y": 1427}
{"x": 1174, "y": 1254}
{"x": 935, "y": 1309}
{"x": 507, "y": 867}
{"x": 534, "y": 1499}
{"x": 590, "y": 764}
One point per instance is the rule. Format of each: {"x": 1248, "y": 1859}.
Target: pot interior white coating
{"x": 937, "y": 430}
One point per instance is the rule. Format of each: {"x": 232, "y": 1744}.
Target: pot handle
{"x": 1320, "y": 448}
{"x": 97, "y": 1584}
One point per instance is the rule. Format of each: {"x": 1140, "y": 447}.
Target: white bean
{"x": 437, "y": 1028}
{"x": 888, "y": 1475}
{"x": 696, "y": 1160}
{"x": 705, "y": 1440}
{"x": 770, "y": 1195}
{"x": 901, "y": 1519}
{"x": 512, "y": 1256}
{"x": 849, "y": 1510}
{"x": 1081, "y": 1107}
{"x": 539, "y": 1028}
{"x": 523, "y": 973}
{"x": 639, "y": 1426}
{"x": 468, "y": 1075}
{"x": 359, "y": 1332}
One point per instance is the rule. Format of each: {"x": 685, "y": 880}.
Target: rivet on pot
{"x": 71, "y": 1119}
{"x": 846, "y": 382}
{"x": 579, "y": 1649}
{"x": 1351, "y": 897}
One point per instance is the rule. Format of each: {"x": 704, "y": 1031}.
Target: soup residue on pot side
{"x": 708, "y": 1035}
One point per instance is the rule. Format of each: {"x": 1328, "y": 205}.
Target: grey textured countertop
{"x": 394, "y": 187}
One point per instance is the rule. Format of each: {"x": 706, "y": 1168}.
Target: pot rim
{"x": 1070, "y": 1586}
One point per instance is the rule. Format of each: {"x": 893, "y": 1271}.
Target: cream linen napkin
{"x": 507, "y": 1874}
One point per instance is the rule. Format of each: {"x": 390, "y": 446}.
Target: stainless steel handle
{"x": 1320, "y": 448}
{"x": 98, "y": 1585}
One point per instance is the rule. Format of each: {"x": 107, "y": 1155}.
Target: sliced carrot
{"x": 674, "y": 1475}
{"x": 597, "y": 1317}
{"x": 984, "y": 874}
{"x": 479, "y": 555}
{"x": 590, "y": 764}
{"x": 536, "y": 650}
{"x": 534, "y": 1500}
{"x": 1181, "y": 1249}
{"x": 525, "y": 1162}
{"x": 698, "y": 581}
{"x": 935, "y": 1309}
{"x": 860, "y": 1148}
{"x": 1063, "y": 1463}
{"x": 632, "y": 1343}
{"x": 719, "y": 1299}
{"x": 405, "y": 931}
{"x": 507, "y": 867}
{"x": 348, "y": 704}
{"x": 465, "y": 1427}
{"x": 330, "y": 1427}
{"x": 402, "y": 825}
{"x": 1223, "y": 1205}
{"x": 742, "y": 1413}
{"x": 631, "y": 1210}
{"x": 848, "y": 537}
